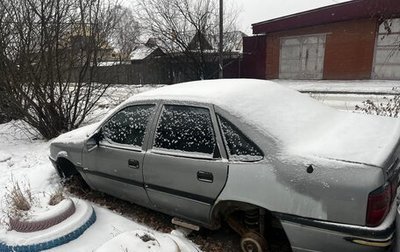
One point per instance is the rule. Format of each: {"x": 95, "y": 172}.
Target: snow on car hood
{"x": 77, "y": 135}
{"x": 297, "y": 122}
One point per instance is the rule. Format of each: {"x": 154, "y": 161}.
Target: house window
{"x": 302, "y": 57}
{"x": 387, "y": 52}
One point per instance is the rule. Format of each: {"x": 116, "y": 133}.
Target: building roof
{"x": 141, "y": 52}
{"x": 355, "y": 9}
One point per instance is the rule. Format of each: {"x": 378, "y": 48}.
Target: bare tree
{"x": 126, "y": 32}
{"x": 48, "y": 53}
{"x": 187, "y": 30}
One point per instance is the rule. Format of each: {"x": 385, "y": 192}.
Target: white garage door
{"x": 302, "y": 57}
{"x": 387, "y": 51}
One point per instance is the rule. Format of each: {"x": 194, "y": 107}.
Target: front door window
{"x": 185, "y": 129}
{"x": 128, "y": 126}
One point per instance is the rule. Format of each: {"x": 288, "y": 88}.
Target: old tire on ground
{"x": 37, "y": 225}
{"x": 83, "y": 218}
{"x": 253, "y": 242}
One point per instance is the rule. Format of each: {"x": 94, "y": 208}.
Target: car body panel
{"x": 323, "y": 194}
{"x": 173, "y": 178}
{"x": 173, "y": 184}
{"x": 311, "y": 235}
{"x": 281, "y": 182}
{"x": 115, "y": 168}
{"x": 107, "y": 169}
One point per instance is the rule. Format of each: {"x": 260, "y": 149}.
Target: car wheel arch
{"x": 65, "y": 168}
{"x": 224, "y": 210}
{"x": 227, "y": 207}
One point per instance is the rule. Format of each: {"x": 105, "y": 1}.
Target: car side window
{"x": 128, "y": 126}
{"x": 185, "y": 128}
{"x": 240, "y": 148}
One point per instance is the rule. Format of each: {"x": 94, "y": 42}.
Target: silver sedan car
{"x": 261, "y": 157}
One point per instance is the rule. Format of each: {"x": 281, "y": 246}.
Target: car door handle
{"x": 133, "y": 163}
{"x": 205, "y": 176}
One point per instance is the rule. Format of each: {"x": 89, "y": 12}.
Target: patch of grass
{"x": 387, "y": 107}
{"x": 19, "y": 199}
{"x": 57, "y": 196}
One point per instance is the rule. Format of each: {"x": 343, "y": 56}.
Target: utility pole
{"x": 221, "y": 39}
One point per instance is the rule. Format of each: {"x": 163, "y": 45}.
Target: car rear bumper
{"x": 396, "y": 245}
{"x": 315, "y": 235}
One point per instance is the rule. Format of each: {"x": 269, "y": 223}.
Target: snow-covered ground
{"x": 345, "y": 95}
{"x": 114, "y": 96}
{"x": 24, "y": 157}
{"x": 345, "y": 87}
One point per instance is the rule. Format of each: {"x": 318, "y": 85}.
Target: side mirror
{"x": 94, "y": 141}
{"x": 98, "y": 136}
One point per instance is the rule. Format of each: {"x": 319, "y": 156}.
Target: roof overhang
{"x": 356, "y": 9}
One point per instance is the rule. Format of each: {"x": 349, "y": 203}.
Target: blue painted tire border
{"x": 52, "y": 243}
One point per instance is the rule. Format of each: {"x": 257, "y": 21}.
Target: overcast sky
{"x": 254, "y": 11}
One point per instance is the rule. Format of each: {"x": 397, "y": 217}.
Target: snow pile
{"x": 140, "y": 240}
{"x": 4, "y": 156}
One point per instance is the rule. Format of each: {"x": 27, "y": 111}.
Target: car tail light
{"x": 379, "y": 202}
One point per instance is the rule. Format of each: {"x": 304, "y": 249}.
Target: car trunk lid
{"x": 364, "y": 139}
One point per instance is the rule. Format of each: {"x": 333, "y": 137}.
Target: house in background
{"x": 149, "y": 50}
{"x": 359, "y": 39}
{"x": 155, "y": 62}
{"x": 148, "y": 64}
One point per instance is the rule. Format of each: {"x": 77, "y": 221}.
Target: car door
{"x": 185, "y": 167}
{"x": 115, "y": 166}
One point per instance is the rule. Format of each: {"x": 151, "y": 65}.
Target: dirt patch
{"x": 223, "y": 239}
{"x": 145, "y": 237}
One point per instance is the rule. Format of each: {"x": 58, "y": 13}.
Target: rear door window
{"x": 240, "y": 148}
{"x": 128, "y": 126}
{"x": 186, "y": 129}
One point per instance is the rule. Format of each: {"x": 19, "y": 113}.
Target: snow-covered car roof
{"x": 298, "y": 122}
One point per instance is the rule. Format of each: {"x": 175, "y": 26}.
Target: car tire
{"x": 253, "y": 242}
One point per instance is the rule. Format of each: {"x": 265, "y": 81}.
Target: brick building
{"x": 359, "y": 39}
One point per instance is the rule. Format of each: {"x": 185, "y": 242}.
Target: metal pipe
{"x": 221, "y": 39}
